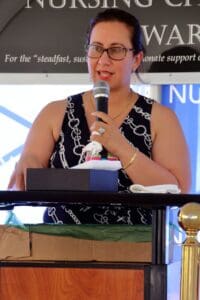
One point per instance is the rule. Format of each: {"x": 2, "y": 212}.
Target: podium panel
{"x": 39, "y": 283}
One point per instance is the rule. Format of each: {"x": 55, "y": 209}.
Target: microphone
{"x": 101, "y": 91}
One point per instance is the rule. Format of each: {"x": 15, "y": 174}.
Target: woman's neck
{"x": 120, "y": 103}
{"x": 118, "y": 97}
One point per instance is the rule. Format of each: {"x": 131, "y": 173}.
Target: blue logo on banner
{"x": 14, "y": 152}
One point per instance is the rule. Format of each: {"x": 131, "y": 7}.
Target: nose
{"x": 104, "y": 58}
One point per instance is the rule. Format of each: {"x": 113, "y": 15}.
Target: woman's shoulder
{"x": 52, "y": 109}
{"x": 160, "y": 111}
{"x": 54, "y": 104}
{"x": 57, "y": 108}
{"x": 164, "y": 118}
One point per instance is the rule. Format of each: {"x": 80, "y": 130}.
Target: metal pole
{"x": 189, "y": 220}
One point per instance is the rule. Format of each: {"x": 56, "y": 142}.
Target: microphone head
{"x": 101, "y": 89}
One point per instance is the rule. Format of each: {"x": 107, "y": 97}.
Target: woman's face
{"x": 116, "y": 73}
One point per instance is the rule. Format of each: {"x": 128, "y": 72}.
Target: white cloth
{"x": 102, "y": 164}
{"x": 162, "y": 189}
{"x": 93, "y": 148}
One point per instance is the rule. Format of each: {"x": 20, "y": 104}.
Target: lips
{"x": 104, "y": 75}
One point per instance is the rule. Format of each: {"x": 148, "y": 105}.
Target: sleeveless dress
{"x": 74, "y": 135}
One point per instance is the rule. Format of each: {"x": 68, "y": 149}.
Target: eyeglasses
{"x": 115, "y": 52}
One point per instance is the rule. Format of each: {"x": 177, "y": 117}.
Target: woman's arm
{"x": 170, "y": 159}
{"x": 39, "y": 143}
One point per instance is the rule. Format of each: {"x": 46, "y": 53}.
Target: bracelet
{"x": 131, "y": 160}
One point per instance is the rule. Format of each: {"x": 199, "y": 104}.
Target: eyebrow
{"x": 111, "y": 45}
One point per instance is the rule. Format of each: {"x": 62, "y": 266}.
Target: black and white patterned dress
{"x": 73, "y": 137}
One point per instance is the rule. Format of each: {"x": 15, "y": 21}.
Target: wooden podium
{"x": 154, "y": 280}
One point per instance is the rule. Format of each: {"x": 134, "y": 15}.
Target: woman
{"x": 145, "y": 136}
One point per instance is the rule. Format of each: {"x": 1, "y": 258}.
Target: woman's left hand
{"x": 108, "y": 134}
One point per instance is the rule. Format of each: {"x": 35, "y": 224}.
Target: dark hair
{"x": 115, "y": 14}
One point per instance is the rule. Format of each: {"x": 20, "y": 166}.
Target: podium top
{"x": 53, "y": 198}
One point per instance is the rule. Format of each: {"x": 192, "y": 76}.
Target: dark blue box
{"x": 72, "y": 179}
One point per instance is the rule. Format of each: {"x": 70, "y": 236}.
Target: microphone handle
{"x": 102, "y": 105}
{"x": 104, "y": 153}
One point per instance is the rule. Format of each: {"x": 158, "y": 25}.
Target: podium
{"x": 156, "y": 279}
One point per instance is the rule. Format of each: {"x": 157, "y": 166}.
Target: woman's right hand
{"x": 18, "y": 177}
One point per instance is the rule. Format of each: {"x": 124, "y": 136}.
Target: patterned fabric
{"x": 74, "y": 136}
